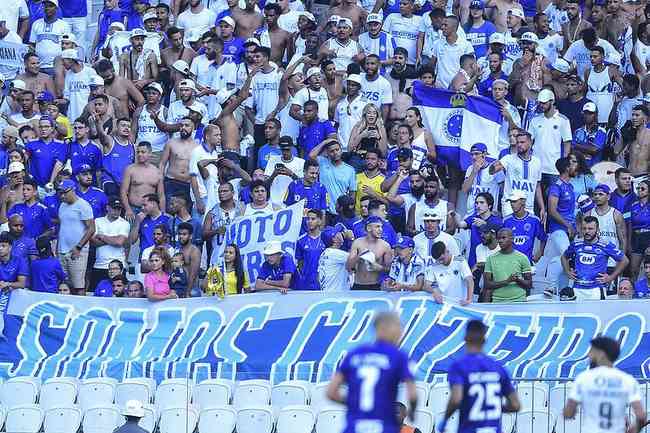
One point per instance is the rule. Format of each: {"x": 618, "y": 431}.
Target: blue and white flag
{"x": 457, "y": 121}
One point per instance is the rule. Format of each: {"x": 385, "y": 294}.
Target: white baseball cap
{"x": 187, "y": 84}
{"x": 561, "y": 65}
{"x": 228, "y": 20}
{"x": 155, "y": 86}
{"x": 117, "y": 24}
{"x": 312, "y": 71}
{"x": 590, "y": 107}
{"x": 137, "y": 32}
{"x": 133, "y": 408}
{"x": 15, "y": 167}
{"x": 309, "y": 16}
{"x": 273, "y": 247}
{"x": 253, "y": 41}
{"x": 497, "y": 38}
{"x": 516, "y": 195}
{"x": 224, "y": 94}
{"x": 518, "y": 12}
{"x": 545, "y": 95}
{"x": 69, "y": 37}
{"x": 71, "y": 54}
{"x": 374, "y": 18}
{"x": 355, "y": 78}
{"x": 181, "y": 66}
{"x": 56, "y": 2}
{"x": 529, "y": 37}
{"x": 96, "y": 80}
{"x": 19, "y": 85}
{"x": 334, "y": 19}
{"x": 344, "y": 22}
{"x": 149, "y": 16}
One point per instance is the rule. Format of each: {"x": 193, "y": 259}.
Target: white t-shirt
{"x": 522, "y": 176}
{"x": 332, "y": 274}
{"x": 377, "y": 91}
{"x": 306, "y": 94}
{"x": 289, "y": 21}
{"x": 10, "y": 72}
{"x": 77, "y": 90}
{"x": 106, "y": 253}
{"x": 548, "y": 135}
{"x": 265, "y": 92}
{"x": 551, "y": 46}
{"x": 12, "y": 10}
{"x": 483, "y": 252}
{"x": 421, "y": 207}
{"x": 483, "y": 182}
{"x": 347, "y": 115}
{"x": 405, "y": 32}
{"x": 177, "y": 110}
{"x": 423, "y": 245}
{"x": 372, "y": 45}
{"x": 296, "y": 165}
{"x": 581, "y": 55}
{"x": 448, "y": 58}
{"x": 604, "y": 394}
{"x": 199, "y": 153}
{"x": 642, "y": 52}
{"x": 47, "y": 37}
{"x": 204, "y": 20}
{"x": 450, "y": 279}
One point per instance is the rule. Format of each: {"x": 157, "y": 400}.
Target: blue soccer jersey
{"x": 566, "y": 204}
{"x": 485, "y": 383}
{"x": 524, "y": 232}
{"x": 308, "y": 251}
{"x": 590, "y": 260}
{"x": 373, "y": 373}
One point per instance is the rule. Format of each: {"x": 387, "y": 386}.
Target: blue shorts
{"x": 449, "y": 156}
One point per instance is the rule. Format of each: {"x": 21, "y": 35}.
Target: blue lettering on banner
{"x": 299, "y": 336}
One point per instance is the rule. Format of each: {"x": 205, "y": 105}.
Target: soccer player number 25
{"x": 487, "y": 401}
{"x": 369, "y": 376}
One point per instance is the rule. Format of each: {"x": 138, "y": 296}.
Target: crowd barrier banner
{"x": 300, "y": 335}
{"x": 11, "y": 55}
{"x": 252, "y": 233}
{"x": 457, "y": 121}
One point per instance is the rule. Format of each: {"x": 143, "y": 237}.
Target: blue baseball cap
{"x": 374, "y": 220}
{"x": 585, "y": 203}
{"x": 66, "y": 185}
{"x": 478, "y": 147}
{"x": 84, "y": 168}
{"x": 603, "y": 188}
{"x": 476, "y": 4}
{"x": 327, "y": 235}
{"x": 45, "y": 97}
{"x": 405, "y": 242}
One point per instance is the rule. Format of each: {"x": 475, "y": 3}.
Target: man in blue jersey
{"x": 147, "y": 220}
{"x": 308, "y": 188}
{"x": 34, "y": 213}
{"x": 308, "y": 250}
{"x": 45, "y": 153}
{"x": 478, "y": 386}
{"x": 585, "y": 262}
{"x": 623, "y": 196}
{"x": 525, "y": 227}
{"x": 373, "y": 372}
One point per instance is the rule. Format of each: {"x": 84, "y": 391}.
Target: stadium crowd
{"x": 123, "y": 160}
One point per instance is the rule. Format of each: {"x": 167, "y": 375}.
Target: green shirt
{"x": 501, "y": 266}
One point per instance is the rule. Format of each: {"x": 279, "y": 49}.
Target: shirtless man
{"x": 34, "y": 79}
{"x": 124, "y": 90}
{"x": 175, "y": 161}
{"x": 247, "y": 19}
{"x": 639, "y": 149}
{"x": 367, "y": 272}
{"x": 333, "y": 83}
{"x": 572, "y": 29}
{"x": 350, "y": 9}
{"x": 400, "y": 70}
{"x": 12, "y": 192}
{"x": 177, "y": 51}
{"x": 99, "y": 108}
{"x": 280, "y": 39}
{"x": 139, "y": 65}
{"x": 498, "y": 12}
{"x": 141, "y": 178}
{"x": 230, "y": 101}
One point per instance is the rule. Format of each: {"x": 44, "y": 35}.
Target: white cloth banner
{"x": 11, "y": 58}
{"x": 253, "y": 232}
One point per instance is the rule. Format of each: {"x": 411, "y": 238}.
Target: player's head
{"x": 475, "y": 333}
{"x": 388, "y": 327}
{"x": 604, "y": 351}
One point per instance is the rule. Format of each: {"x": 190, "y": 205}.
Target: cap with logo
{"x": 15, "y": 167}
{"x": 404, "y": 153}
{"x": 529, "y": 37}
{"x": 149, "y": 16}
{"x": 590, "y": 107}
{"x": 545, "y": 95}
{"x": 344, "y": 22}
{"x": 252, "y": 41}
{"x": 516, "y": 195}
{"x": 354, "y": 78}
{"x": 518, "y": 12}
{"x": 84, "y": 168}
{"x": 133, "y": 408}
{"x": 334, "y": 19}
{"x": 476, "y": 4}
{"x": 603, "y": 188}
{"x": 45, "y": 97}
{"x": 309, "y": 16}
{"x": 478, "y": 147}
{"x": 137, "y": 32}
{"x": 115, "y": 203}
{"x": 431, "y": 216}
{"x": 373, "y": 219}
{"x": 497, "y": 38}
{"x": 405, "y": 242}
{"x": 71, "y": 54}
{"x": 155, "y": 86}
{"x": 561, "y": 65}
{"x": 181, "y": 66}
{"x": 224, "y": 94}
{"x": 374, "y": 18}
{"x": 66, "y": 185}
{"x": 285, "y": 142}
{"x": 312, "y": 71}
{"x": 69, "y": 37}
{"x": 228, "y": 20}
{"x": 187, "y": 84}
{"x": 327, "y": 235}
{"x": 95, "y": 80}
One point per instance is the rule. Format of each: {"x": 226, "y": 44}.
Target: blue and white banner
{"x": 458, "y": 121}
{"x": 251, "y": 233}
{"x": 301, "y": 335}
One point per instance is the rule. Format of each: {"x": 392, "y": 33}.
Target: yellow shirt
{"x": 65, "y": 122}
{"x": 216, "y": 282}
{"x": 374, "y": 183}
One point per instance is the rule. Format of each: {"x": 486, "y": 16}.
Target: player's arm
{"x": 570, "y": 409}
{"x": 334, "y": 388}
{"x": 455, "y": 398}
{"x": 512, "y": 403}
{"x": 412, "y": 396}
{"x": 640, "y": 416}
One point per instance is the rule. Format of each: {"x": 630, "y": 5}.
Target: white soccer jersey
{"x": 521, "y": 175}
{"x": 265, "y": 92}
{"x": 405, "y": 31}
{"x": 320, "y": 96}
{"x": 604, "y": 394}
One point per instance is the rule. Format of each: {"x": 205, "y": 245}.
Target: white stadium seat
{"x": 64, "y": 419}
{"x": 289, "y": 393}
{"x": 134, "y": 389}
{"x": 330, "y": 420}
{"x": 424, "y": 420}
{"x": 534, "y": 422}
{"x": 422, "y": 389}
{"x": 319, "y": 398}
{"x": 212, "y": 393}
{"x": 26, "y": 418}
{"x": 452, "y": 422}
{"x": 563, "y": 425}
{"x": 507, "y": 422}
{"x": 58, "y": 392}
{"x": 178, "y": 419}
{"x": 438, "y": 397}
{"x": 150, "y": 419}
{"x": 533, "y": 396}
{"x": 296, "y": 419}
{"x": 225, "y": 417}
{"x": 173, "y": 393}
{"x": 255, "y": 420}
{"x": 557, "y": 397}
{"x": 3, "y": 415}
{"x": 251, "y": 393}
{"x": 102, "y": 419}
{"x": 99, "y": 391}
{"x": 19, "y": 391}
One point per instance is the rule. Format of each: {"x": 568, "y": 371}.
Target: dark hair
{"x": 44, "y": 247}
{"x": 608, "y": 345}
{"x": 311, "y": 102}
{"x": 119, "y": 262}
{"x": 466, "y": 57}
{"x": 475, "y": 331}
{"x": 310, "y": 163}
{"x": 589, "y": 36}
{"x": 374, "y": 204}
{"x": 27, "y": 92}
{"x": 427, "y": 70}
{"x": 121, "y": 278}
{"x": 274, "y": 7}
{"x": 620, "y": 171}
{"x": 103, "y": 66}
{"x": 185, "y": 226}
{"x": 163, "y": 6}
{"x": 152, "y": 197}
{"x": 562, "y": 165}
{"x": 172, "y": 30}
{"x": 437, "y": 13}
{"x": 102, "y": 97}
{"x": 317, "y": 212}
{"x": 583, "y": 168}
{"x": 632, "y": 79}
{"x": 590, "y": 219}
{"x": 265, "y": 51}
{"x": 163, "y": 228}
{"x": 239, "y": 268}
{"x": 29, "y": 55}
{"x": 416, "y": 110}
{"x": 407, "y": 126}
{"x": 438, "y": 249}
{"x": 275, "y": 122}
{"x": 401, "y": 51}
{"x": 144, "y": 144}
{"x": 643, "y": 108}
{"x": 374, "y": 150}
{"x": 259, "y": 182}
{"x": 31, "y": 182}
{"x": 488, "y": 198}
{"x": 373, "y": 56}
{"x": 600, "y": 50}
